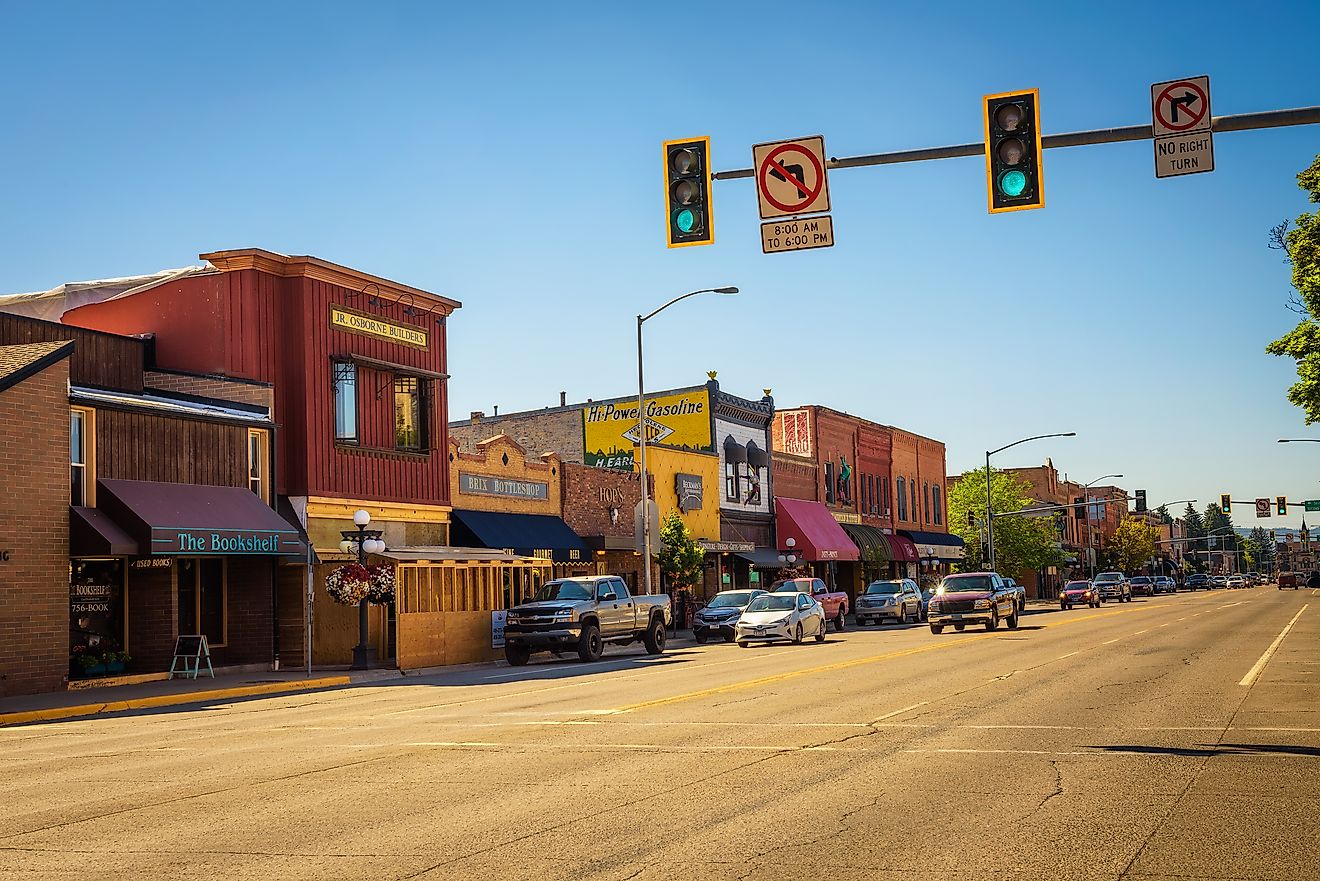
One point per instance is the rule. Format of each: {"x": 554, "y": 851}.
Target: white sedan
{"x": 781, "y": 616}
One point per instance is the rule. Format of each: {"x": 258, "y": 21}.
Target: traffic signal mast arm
{"x": 1048, "y": 509}
{"x": 1236, "y": 123}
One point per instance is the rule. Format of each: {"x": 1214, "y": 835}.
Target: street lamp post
{"x": 1089, "y": 560}
{"x": 788, "y": 556}
{"x": 641, "y": 427}
{"x": 989, "y": 507}
{"x": 362, "y": 541}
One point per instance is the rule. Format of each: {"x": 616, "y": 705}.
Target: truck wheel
{"x": 993, "y": 623}
{"x": 1013, "y": 620}
{"x": 516, "y": 655}
{"x": 839, "y": 621}
{"x": 937, "y": 629}
{"x": 960, "y": 627}
{"x": 654, "y": 639}
{"x": 589, "y": 644}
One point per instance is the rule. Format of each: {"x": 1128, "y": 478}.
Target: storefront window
{"x": 96, "y": 608}
{"x": 409, "y": 414}
{"x": 901, "y": 486}
{"x": 202, "y": 599}
{"x": 345, "y": 379}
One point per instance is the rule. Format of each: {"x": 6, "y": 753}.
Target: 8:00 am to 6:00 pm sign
{"x": 797, "y": 235}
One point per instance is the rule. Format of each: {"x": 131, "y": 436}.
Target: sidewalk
{"x": 146, "y": 695}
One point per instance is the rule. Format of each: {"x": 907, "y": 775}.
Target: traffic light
{"x": 1079, "y": 512}
{"x": 687, "y": 192}
{"x": 1141, "y": 501}
{"x": 1226, "y": 503}
{"x": 1281, "y": 502}
{"x": 971, "y": 519}
{"x": 1012, "y": 150}
{"x": 1271, "y": 535}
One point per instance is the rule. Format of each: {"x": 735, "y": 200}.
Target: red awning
{"x": 93, "y": 534}
{"x": 818, "y": 536}
{"x": 903, "y": 549}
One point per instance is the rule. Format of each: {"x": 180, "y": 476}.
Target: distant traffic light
{"x": 1141, "y": 501}
{"x": 971, "y": 519}
{"x": 1271, "y": 535}
{"x": 1079, "y": 512}
{"x": 1282, "y": 504}
{"x": 1012, "y": 150}
{"x": 687, "y": 192}
{"x": 1226, "y": 503}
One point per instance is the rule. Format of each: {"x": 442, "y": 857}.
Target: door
{"x": 911, "y": 600}
{"x": 613, "y": 607}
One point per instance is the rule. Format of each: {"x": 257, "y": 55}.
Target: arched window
{"x": 900, "y": 486}
{"x": 938, "y": 504}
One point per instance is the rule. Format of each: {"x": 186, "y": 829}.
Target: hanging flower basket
{"x": 382, "y": 584}
{"x": 348, "y": 585}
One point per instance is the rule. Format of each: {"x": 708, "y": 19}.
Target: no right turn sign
{"x": 1181, "y": 124}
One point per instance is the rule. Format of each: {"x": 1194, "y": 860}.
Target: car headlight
{"x": 981, "y": 604}
{"x": 563, "y": 614}
{"x": 933, "y": 605}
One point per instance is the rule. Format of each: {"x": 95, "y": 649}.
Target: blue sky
{"x": 508, "y": 155}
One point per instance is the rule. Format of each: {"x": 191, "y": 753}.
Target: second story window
{"x": 409, "y": 413}
{"x": 900, "y": 489}
{"x": 829, "y": 483}
{"x": 82, "y": 476}
{"x": 937, "y": 506}
{"x": 346, "y": 421}
{"x": 259, "y": 463}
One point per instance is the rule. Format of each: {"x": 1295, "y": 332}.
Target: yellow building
{"x": 687, "y": 482}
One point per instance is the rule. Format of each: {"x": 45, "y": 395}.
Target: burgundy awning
{"x": 903, "y": 549}
{"x": 818, "y": 535}
{"x": 190, "y": 519}
{"x": 93, "y": 534}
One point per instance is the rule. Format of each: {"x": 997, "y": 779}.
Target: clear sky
{"x": 508, "y": 155}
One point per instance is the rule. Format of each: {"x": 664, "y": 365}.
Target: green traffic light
{"x": 1012, "y": 183}
{"x": 685, "y": 220}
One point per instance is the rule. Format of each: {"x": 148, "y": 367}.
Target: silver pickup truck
{"x": 582, "y": 614}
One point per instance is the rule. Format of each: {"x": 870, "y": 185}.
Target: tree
{"x": 680, "y": 558}
{"x": 1133, "y": 544}
{"x": 1021, "y": 543}
{"x": 1195, "y": 528}
{"x": 1163, "y": 512}
{"x": 1301, "y": 249}
{"x": 1219, "y": 530}
{"x": 1260, "y": 550}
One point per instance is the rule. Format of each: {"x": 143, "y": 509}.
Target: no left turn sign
{"x": 791, "y": 178}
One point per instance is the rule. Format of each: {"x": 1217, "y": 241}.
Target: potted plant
{"x": 348, "y": 585}
{"x": 115, "y": 662}
{"x": 382, "y": 584}
{"x": 91, "y": 664}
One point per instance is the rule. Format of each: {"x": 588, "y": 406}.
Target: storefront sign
{"x": 481, "y": 484}
{"x": 152, "y": 563}
{"x": 726, "y": 547}
{"x": 96, "y": 605}
{"x": 224, "y": 541}
{"x": 4, "y": 556}
{"x": 688, "y": 489}
{"x": 609, "y": 431}
{"x": 370, "y": 325}
{"x": 846, "y": 517}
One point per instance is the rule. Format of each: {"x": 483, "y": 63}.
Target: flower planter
{"x": 94, "y": 670}
{"x": 114, "y": 667}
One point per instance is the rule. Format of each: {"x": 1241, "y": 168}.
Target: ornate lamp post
{"x": 362, "y": 541}
{"x": 789, "y": 556}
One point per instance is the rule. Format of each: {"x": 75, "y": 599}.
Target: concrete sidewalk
{"x": 162, "y": 693}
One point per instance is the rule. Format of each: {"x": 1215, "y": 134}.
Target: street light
{"x": 1299, "y": 440}
{"x": 362, "y": 541}
{"x": 641, "y": 426}
{"x": 989, "y": 510}
{"x": 789, "y": 556}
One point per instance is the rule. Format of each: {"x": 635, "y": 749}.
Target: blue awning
{"x": 943, "y": 546}
{"x": 529, "y": 535}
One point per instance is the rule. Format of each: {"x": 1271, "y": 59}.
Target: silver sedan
{"x": 781, "y": 617}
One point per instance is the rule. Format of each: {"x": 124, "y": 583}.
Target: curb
{"x": 165, "y": 700}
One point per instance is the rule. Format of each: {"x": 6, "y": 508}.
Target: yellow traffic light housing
{"x": 1013, "y": 150}
{"x": 1281, "y": 504}
{"x": 687, "y": 193}
{"x": 1226, "y": 503}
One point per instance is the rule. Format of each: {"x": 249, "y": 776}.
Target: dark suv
{"x": 1198, "y": 581}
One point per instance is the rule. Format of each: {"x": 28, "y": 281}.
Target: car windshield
{"x": 884, "y": 587}
{"x": 1076, "y": 585}
{"x": 791, "y": 586}
{"x": 1109, "y": 576}
{"x": 564, "y": 590}
{"x": 1140, "y": 579}
{"x": 966, "y": 582}
{"x": 730, "y": 600}
{"x": 772, "y": 603}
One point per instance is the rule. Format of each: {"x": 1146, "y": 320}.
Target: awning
{"x": 93, "y": 534}
{"x": 762, "y": 558}
{"x": 530, "y": 535}
{"x": 872, "y": 543}
{"x": 818, "y": 535}
{"x": 186, "y": 519}
{"x": 943, "y": 546}
{"x": 905, "y": 551}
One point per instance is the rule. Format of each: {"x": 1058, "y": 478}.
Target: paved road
{"x": 1143, "y": 741}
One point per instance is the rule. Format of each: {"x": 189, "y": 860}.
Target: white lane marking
{"x": 1166, "y": 625}
{"x": 1315, "y": 592}
{"x": 1069, "y": 655}
{"x": 558, "y": 669}
{"x": 901, "y": 712}
{"x": 1111, "y": 641}
{"x": 1231, "y": 605}
{"x": 1016, "y": 752}
{"x": 1139, "y": 632}
{"x": 1255, "y": 671}
{"x": 1183, "y": 618}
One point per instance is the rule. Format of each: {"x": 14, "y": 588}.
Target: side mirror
{"x": 608, "y": 597}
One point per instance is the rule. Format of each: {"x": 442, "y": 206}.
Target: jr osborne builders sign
{"x": 1180, "y": 121}
{"x": 791, "y": 181}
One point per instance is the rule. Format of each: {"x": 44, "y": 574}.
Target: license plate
{"x": 956, "y": 615}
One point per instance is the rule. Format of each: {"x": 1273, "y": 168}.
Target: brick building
{"x": 599, "y": 505}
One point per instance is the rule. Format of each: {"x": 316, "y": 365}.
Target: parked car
{"x": 1077, "y": 592}
{"x": 926, "y": 596}
{"x": 584, "y": 614}
{"x": 1198, "y": 581}
{"x": 1142, "y": 585}
{"x": 719, "y": 616}
{"x": 898, "y": 601}
{"x": 972, "y": 598}
{"x": 1289, "y": 579}
{"x": 781, "y": 616}
{"x": 1165, "y": 584}
{"x": 1236, "y": 581}
{"x": 1113, "y": 586}
{"x": 1262, "y": 578}
{"x": 1218, "y": 581}
{"x": 1019, "y": 594}
{"x": 835, "y": 603}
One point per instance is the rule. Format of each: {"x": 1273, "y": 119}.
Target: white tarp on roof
{"x": 52, "y": 304}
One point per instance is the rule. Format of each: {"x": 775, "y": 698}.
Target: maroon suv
{"x": 972, "y": 598}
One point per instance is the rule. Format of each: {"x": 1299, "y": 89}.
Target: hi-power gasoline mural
{"x": 609, "y": 429}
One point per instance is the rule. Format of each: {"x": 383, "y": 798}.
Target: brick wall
{"x": 589, "y": 493}
{"x": 34, "y": 493}
{"x": 501, "y": 457}
{"x": 795, "y": 477}
{"x": 554, "y": 431}
{"x": 251, "y": 625}
{"x": 259, "y": 394}
{"x": 153, "y": 615}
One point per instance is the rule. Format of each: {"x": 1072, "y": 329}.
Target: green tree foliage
{"x": 1195, "y": 528}
{"x": 680, "y": 557}
{"x": 1301, "y": 249}
{"x": 1133, "y": 544}
{"x": 1022, "y": 544}
{"x": 1260, "y": 550}
{"x": 1163, "y": 512}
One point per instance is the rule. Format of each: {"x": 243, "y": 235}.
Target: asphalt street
{"x": 1170, "y": 738}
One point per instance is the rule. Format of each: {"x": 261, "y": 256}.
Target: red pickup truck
{"x": 835, "y": 604}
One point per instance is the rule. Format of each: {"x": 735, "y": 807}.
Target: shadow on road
{"x": 1223, "y": 749}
